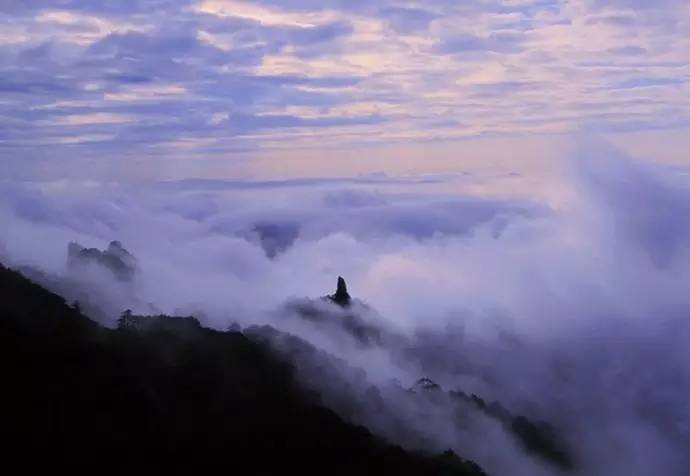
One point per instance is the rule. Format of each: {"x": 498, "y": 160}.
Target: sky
{"x": 170, "y": 89}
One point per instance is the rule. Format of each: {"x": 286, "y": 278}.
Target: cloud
{"x": 498, "y": 43}
{"x": 96, "y": 118}
{"x": 408, "y": 20}
{"x": 576, "y": 315}
{"x": 415, "y": 68}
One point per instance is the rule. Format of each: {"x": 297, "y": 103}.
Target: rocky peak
{"x": 424, "y": 384}
{"x": 341, "y": 296}
{"x": 115, "y": 258}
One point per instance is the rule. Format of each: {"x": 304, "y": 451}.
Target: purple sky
{"x": 196, "y": 87}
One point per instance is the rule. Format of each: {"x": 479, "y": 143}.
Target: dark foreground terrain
{"x": 165, "y": 394}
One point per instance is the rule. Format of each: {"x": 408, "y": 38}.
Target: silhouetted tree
{"x": 125, "y": 321}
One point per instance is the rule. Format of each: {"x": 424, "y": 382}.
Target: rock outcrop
{"x": 120, "y": 262}
{"x": 341, "y": 297}
{"x": 424, "y": 384}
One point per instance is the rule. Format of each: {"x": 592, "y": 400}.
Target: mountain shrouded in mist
{"x": 115, "y": 258}
{"x": 148, "y": 386}
{"x": 164, "y": 391}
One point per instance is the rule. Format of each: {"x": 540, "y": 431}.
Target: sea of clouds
{"x": 578, "y": 315}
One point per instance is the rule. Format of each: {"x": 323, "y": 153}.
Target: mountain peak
{"x": 425, "y": 383}
{"x": 341, "y": 296}
{"x": 120, "y": 262}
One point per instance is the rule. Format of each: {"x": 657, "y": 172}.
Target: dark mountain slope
{"x": 346, "y": 390}
{"x": 166, "y": 393}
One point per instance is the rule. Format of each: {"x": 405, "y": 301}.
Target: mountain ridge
{"x": 170, "y": 396}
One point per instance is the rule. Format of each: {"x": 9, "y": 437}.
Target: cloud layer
{"x": 155, "y": 79}
{"x": 576, "y": 315}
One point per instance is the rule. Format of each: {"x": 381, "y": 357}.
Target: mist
{"x": 575, "y": 314}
